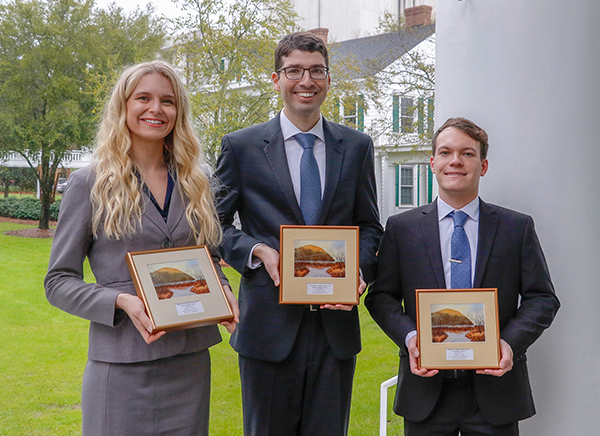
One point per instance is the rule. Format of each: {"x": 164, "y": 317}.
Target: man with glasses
{"x": 296, "y": 361}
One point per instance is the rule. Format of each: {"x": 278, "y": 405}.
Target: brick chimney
{"x": 321, "y": 32}
{"x": 418, "y": 16}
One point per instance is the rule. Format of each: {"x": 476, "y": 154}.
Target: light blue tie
{"x": 310, "y": 181}
{"x": 460, "y": 261}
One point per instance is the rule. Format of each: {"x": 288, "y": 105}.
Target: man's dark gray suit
{"x": 510, "y": 258}
{"x": 255, "y": 181}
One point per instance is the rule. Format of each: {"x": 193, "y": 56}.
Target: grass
{"x": 20, "y": 194}
{"x": 43, "y": 354}
{"x": 27, "y": 195}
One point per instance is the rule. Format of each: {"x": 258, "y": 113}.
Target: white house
{"x": 73, "y": 159}
{"x": 401, "y": 122}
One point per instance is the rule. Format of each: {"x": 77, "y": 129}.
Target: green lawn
{"x": 57, "y": 196}
{"x": 43, "y": 353}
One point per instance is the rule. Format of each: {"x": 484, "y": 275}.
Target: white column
{"x": 529, "y": 73}
{"x": 391, "y": 187}
{"x": 384, "y": 210}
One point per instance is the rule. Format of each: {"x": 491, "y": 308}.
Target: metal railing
{"x": 383, "y": 400}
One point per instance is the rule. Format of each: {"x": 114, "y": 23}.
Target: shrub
{"x": 26, "y": 208}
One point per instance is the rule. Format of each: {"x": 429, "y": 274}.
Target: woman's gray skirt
{"x": 169, "y": 396}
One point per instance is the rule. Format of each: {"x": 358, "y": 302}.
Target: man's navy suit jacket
{"x": 255, "y": 182}
{"x": 510, "y": 258}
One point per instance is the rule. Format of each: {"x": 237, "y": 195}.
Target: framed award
{"x": 179, "y": 287}
{"x": 319, "y": 265}
{"x": 458, "y": 328}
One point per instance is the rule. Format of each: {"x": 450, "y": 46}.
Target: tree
{"x": 411, "y": 78}
{"x": 225, "y": 51}
{"x": 338, "y": 252}
{"x": 55, "y": 57}
{"x": 9, "y": 176}
{"x": 392, "y": 76}
{"x": 351, "y": 91}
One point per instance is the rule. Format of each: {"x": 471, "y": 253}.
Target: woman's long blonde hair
{"x": 116, "y": 195}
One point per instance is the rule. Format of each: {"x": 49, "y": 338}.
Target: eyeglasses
{"x": 296, "y": 73}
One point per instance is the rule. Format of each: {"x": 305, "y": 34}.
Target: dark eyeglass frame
{"x": 284, "y": 69}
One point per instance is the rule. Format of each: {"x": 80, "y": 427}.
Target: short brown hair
{"x": 303, "y": 41}
{"x": 469, "y": 128}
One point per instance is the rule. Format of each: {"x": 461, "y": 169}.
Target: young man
{"x": 296, "y": 362}
{"x": 500, "y": 250}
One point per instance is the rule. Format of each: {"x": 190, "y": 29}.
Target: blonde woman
{"x": 144, "y": 191}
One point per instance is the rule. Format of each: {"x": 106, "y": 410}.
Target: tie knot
{"x": 306, "y": 140}
{"x": 459, "y": 218}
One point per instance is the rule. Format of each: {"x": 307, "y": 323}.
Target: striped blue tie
{"x": 310, "y": 181}
{"x": 460, "y": 261}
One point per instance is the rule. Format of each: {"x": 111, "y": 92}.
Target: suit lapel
{"x": 176, "y": 212}
{"x": 176, "y": 209}
{"x": 275, "y": 152}
{"x": 488, "y": 225}
{"x": 431, "y": 237}
{"x": 153, "y": 215}
{"x": 334, "y": 156}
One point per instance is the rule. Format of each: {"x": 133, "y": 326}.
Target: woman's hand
{"x": 134, "y": 308}
{"x": 231, "y": 325}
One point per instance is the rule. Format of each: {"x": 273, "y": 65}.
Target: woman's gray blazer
{"x": 113, "y": 337}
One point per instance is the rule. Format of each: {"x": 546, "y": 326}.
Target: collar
{"x": 288, "y": 129}
{"x": 471, "y": 209}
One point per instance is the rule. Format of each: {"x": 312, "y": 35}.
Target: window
{"x": 403, "y": 115}
{"x": 354, "y": 112}
{"x": 407, "y": 110}
{"x": 405, "y": 185}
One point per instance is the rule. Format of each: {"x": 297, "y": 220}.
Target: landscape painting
{"x": 315, "y": 258}
{"x": 457, "y": 323}
{"x": 178, "y": 279}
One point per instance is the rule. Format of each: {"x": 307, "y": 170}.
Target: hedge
{"x": 26, "y": 208}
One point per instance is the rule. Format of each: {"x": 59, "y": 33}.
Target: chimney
{"x": 321, "y": 32}
{"x": 418, "y": 16}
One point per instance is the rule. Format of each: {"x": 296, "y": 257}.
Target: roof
{"x": 374, "y": 53}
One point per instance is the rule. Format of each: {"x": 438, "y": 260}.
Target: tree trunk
{"x": 46, "y": 182}
{"x": 45, "y": 210}
{"x": 6, "y": 189}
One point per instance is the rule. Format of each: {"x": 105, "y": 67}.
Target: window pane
{"x": 350, "y": 117}
{"x": 406, "y": 195}
{"x": 406, "y": 176}
{"x": 407, "y": 109}
{"x": 406, "y": 185}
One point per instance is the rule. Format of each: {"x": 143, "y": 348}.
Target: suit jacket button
{"x": 167, "y": 244}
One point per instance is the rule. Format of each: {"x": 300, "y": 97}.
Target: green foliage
{"x": 226, "y": 53}
{"x": 23, "y": 177}
{"x": 26, "y": 208}
{"x": 43, "y": 355}
{"x": 127, "y": 39}
{"x": 52, "y": 55}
